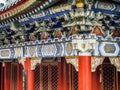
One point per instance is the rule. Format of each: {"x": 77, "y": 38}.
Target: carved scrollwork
{"x": 95, "y": 62}
{"x": 35, "y": 61}
{"x": 116, "y": 62}
{"x": 21, "y": 60}
{"x": 73, "y": 60}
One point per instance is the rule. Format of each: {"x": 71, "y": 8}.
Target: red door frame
{"x": 7, "y": 70}
{"x": 118, "y": 80}
{"x": 65, "y": 75}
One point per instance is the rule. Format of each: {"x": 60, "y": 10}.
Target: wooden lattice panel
{"x": 46, "y": 76}
{"x": 74, "y": 79}
{"x": 37, "y": 78}
{"x": 54, "y": 77}
{"x": 108, "y": 77}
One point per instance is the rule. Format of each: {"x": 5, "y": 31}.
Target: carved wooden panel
{"x": 108, "y": 77}
{"x": 37, "y": 78}
{"x": 74, "y": 79}
{"x": 54, "y": 77}
{"x": 46, "y": 76}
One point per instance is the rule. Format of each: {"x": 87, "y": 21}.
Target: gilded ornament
{"x": 109, "y": 49}
{"x": 69, "y": 48}
{"x": 5, "y": 53}
{"x": 19, "y": 53}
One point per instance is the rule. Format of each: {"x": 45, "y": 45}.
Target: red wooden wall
{"x": 96, "y": 84}
{"x": 65, "y": 75}
{"x": 0, "y": 76}
{"x": 10, "y": 77}
{"x": 7, "y": 71}
{"x": 118, "y": 80}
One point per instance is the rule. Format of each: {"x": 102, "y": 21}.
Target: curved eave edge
{"x": 22, "y": 8}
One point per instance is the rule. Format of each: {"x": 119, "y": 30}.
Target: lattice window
{"x": 46, "y": 76}
{"x": 108, "y": 77}
{"x": 74, "y": 79}
{"x": 37, "y": 78}
{"x": 54, "y": 77}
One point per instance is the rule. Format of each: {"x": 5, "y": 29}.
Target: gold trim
{"x": 69, "y": 57}
{"x": 35, "y": 58}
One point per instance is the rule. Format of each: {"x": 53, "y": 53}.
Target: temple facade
{"x": 60, "y": 45}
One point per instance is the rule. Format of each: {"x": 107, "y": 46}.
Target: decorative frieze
{"x": 19, "y": 52}
{"x": 84, "y": 45}
{"x": 109, "y": 49}
{"x": 105, "y": 5}
{"x": 69, "y": 51}
{"x": 60, "y": 49}
{"x": 31, "y": 51}
{"x": 5, "y": 53}
{"x": 73, "y": 46}
{"x": 98, "y": 31}
{"x": 49, "y": 50}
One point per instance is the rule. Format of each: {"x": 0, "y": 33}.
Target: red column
{"x": 30, "y": 75}
{"x": 85, "y": 74}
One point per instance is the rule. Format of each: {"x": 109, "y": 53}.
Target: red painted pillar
{"x": 30, "y": 75}
{"x": 84, "y": 74}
